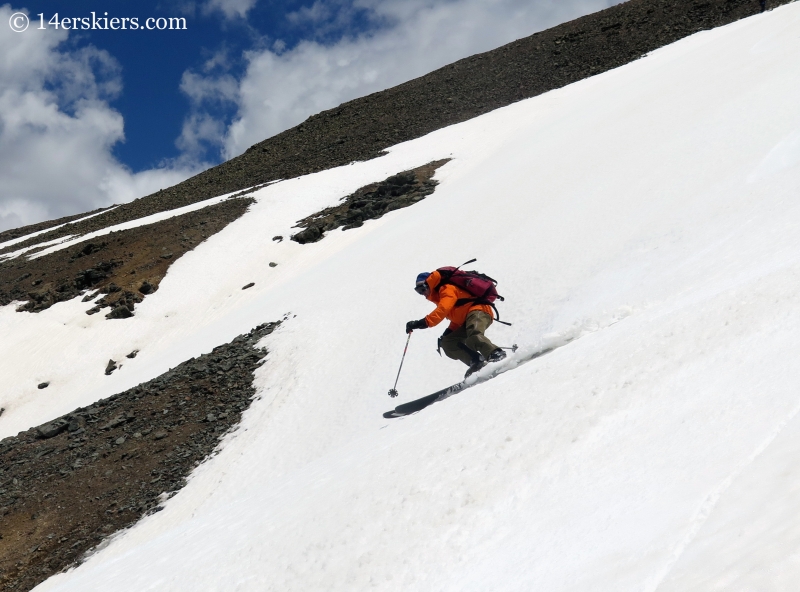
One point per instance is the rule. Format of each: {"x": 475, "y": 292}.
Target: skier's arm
{"x": 447, "y": 300}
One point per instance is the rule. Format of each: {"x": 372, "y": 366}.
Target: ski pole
{"x": 393, "y": 391}
{"x": 513, "y": 348}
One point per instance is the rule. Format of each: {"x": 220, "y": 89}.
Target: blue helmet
{"x": 421, "y": 286}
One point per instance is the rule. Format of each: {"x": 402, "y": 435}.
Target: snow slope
{"x": 651, "y": 210}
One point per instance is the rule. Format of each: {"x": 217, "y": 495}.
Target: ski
{"x": 478, "y": 378}
{"x": 420, "y": 404}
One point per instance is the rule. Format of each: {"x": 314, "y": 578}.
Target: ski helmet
{"x": 421, "y": 287}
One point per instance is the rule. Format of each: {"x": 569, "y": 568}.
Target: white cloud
{"x": 281, "y": 88}
{"x": 199, "y": 131}
{"x": 207, "y": 89}
{"x": 57, "y": 130}
{"x": 214, "y": 88}
{"x": 232, "y": 9}
{"x": 316, "y": 13}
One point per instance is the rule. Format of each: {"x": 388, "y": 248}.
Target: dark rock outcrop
{"x": 125, "y": 267}
{"x": 70, "y": 483}
{"x": 371, "y": 202}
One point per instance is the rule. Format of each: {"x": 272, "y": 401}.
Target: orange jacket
{"x": 445, "y": 299}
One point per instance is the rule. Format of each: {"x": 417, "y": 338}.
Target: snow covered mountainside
{"x": 649, "y": 213}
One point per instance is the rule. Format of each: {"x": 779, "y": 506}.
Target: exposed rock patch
{"x": 70, "y": 483}
{"x": 371, "y": 202}
{"x": 122, "y": 268}
{"x": 13, "y": 233}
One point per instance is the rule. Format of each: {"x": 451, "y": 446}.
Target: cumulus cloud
{"x": 232, "y": 9}
{"x": 402, "y": 39}
{"x": 316, "y": 13}
{"x": 57, "y": 130}
{"x": 213, "y": 89}
{"x": 329, "y": 17}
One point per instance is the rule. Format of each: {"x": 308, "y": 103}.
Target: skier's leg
{"x": 452, "y": 348}
{"x": 477, "y": 323}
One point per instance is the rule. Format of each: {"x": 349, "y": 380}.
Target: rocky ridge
{"x": 116, "y": 271}
{"x": 362, "y": 128}
{"x": 67, "y": 485}
{"x": 13, "y": 233}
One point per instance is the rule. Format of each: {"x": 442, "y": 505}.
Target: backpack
{"x": 482, "y": 288}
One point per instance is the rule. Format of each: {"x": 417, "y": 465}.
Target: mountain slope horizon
{"x": 641, "y": 223}
{"x": 363, "y": 128}
{"x": 356, "y": 131}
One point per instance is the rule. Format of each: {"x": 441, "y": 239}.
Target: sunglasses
{"x": 422, "y": 288}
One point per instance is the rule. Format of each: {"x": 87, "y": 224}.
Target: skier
{"x": 464, "y": 339}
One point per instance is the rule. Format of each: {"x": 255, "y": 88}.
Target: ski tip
{"x": 392, "y": 414}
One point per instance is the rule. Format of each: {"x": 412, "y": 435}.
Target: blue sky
{"x": 94, "y": 117}
{"x": 153, "y": 62}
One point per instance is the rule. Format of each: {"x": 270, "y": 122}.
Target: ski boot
{"x": 478, "y": 362}
{"x": 497, "y": 355}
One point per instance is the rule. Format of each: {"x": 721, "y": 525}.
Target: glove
{"x": 420, "y": 324}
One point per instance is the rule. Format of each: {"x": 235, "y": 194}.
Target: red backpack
{"x": 479, "y": 285}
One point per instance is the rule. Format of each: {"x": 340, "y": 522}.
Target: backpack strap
{"x": 498, "y": 314}
{"x": 463, "y": 301}
{"x": 444, "y": 275}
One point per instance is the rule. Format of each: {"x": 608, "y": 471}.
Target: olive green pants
{"x": 470, "y": 334}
